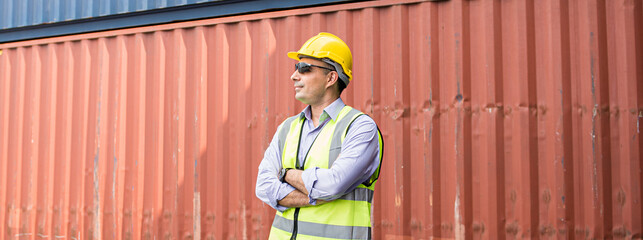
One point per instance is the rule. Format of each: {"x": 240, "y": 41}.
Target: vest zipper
{"x": 294, "y": 227}
{"x": 294, "y": 230}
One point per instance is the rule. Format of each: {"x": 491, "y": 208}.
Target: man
{"x": 320, "y": 168}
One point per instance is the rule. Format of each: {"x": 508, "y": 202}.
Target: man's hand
{"x": 293, "y": 177}
{"x": 299, "y": 197}
{"x": 294, "y": 199}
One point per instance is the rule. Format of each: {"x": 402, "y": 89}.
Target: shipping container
{"x": 32, "y": 19}
{"x": 36, "y": 12}
{"x": 501, "y": 120}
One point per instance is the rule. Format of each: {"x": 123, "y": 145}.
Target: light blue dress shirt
{"x": 356, "y": 163}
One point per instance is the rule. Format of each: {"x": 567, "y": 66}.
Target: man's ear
{"x": 332, "y": 78}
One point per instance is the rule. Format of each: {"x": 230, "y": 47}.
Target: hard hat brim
{"x": 295, "y": 55}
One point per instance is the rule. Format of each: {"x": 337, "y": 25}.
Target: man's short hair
{"x": 340, "y": 86}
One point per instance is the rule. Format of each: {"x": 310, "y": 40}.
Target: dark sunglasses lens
{"x": 302, "y": 67}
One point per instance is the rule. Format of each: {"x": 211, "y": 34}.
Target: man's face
{"x": 311, "y": 86}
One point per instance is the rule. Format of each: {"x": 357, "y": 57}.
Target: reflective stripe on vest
{"x": 325, "y": 230}
{"x": 347, "y": 217}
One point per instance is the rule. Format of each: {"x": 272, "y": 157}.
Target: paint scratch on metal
{"x": 457, "y": 68}
{"x": 459, "y": 227}
{"x": 96, "y": 219}
{"x": 197, "y": 216}
{"x": 96, "y": 211}
{"x": 430, "y": 132}
{"x": 395, "y": 89}
{"x": 115, "y": 168}
{"x": 638, "y": 122}
{"x": 593, "y": 133}
{"x": 244, "y": 220}
{"x": 562, "y": 161}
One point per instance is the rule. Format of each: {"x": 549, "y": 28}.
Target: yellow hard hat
{"x": 328, "y": 46}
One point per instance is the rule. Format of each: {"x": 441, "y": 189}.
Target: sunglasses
{"x": 303, "y": 67}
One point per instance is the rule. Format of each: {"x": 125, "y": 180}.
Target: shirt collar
{"x": 331, "y": 111}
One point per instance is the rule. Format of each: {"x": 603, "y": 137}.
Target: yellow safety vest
{"x": 348, "y": 217}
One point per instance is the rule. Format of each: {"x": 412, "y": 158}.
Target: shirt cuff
{"x": 309, "y": 177}
{"x": 282, "y": 192}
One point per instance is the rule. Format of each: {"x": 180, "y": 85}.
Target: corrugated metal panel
{"x": 501, "y": 119}
{"x": 35, "y": 12}
{"x": 31, "y": 19}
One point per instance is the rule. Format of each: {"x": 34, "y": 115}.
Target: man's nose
{"x": 295, "y": 76}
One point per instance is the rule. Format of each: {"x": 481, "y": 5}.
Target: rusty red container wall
{"x": 501, "y": 120}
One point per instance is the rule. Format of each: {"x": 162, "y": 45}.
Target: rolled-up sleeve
{"x": 356, "y": 163}
{"x": 269, "y": 189}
